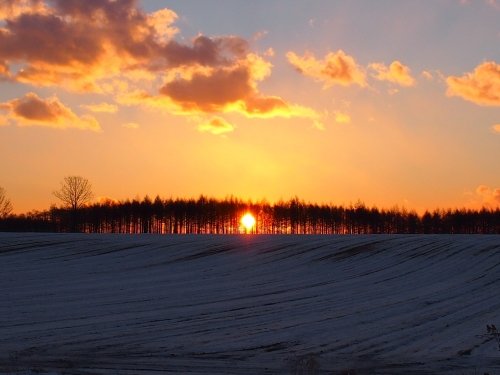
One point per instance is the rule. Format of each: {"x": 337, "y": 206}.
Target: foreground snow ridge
{"x": 143, "y": 304}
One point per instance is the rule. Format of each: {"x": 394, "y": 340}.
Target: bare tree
{"x": 5, "y": 205}
{"x": 75, "y": 192}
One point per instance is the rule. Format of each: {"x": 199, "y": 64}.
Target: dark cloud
{"x": 33, "y": 110}
{"x": 48, "y": 39}
{"x": 95, "y": 45}
{"x": 205, "y": 51}
{"x": 210, "y": 93}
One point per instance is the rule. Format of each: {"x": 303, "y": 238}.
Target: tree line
{"x": 206, "y": 215}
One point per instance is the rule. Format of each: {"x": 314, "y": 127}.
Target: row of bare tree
{"x": 215, "y": 216}
{"x": 222, "y": 216}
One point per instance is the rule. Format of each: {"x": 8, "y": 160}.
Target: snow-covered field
{"x": 118, "y": 304}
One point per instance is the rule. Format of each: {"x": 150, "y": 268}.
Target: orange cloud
{"x": 217, "y": 126}
{"x": 232, "y": 87}
{"x": 162, "y": 21}
{"x": 228, "y": 88}
{"x": 31, "y": 110}
{"x": 482, "y": 86}
{"x": 342, "y": 117}
{"x": 113, "y": 47}
{"x": 488, "y": 196}
{"x": 78, "y": 43}
{"x": 496, "y": 128}
{"x": 210, "y": 93}
{"x": 334, "y": 69}
{"x": 14, "y": 8}
{"x": 4, "y": 69}
{"x": 395, "y": 73}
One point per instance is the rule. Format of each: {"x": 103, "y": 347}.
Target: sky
{"x": 389, "y": 102}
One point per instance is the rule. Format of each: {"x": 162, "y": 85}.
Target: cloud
{"x": 114, "y": 47}
{"x": 4, "y": 70}
{"x": 336, "y": 68}
{"x": 162, "y": 21}
{"x": 232, "y": 87}
{"x": 205, "y": 51}
{"x": 427, "y": 75}
{"x": 342, "y": 117}
{"x": 210, "y": 93}
{"x": 395, "y": 73}
{"x": 14, "y": 8}
{"x": 319, "y": 125}
{"x": 131, "y": 125}
{"x": 489, "y": 197}
{"x": 269, "y": 52}
{"x": 31, "y": 110}
{"x": 216, "y": 125}
{"x": 482, "y": 86}
{"x": 260, "y": 35}
{"x": 101, "y": 107}
{"x": 496, "y": 128}
{"x": 78, "y": 43}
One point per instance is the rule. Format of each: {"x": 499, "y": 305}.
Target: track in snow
{"x": 120, "y": 304}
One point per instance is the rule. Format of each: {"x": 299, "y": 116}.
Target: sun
{"x": 248, "y": 222}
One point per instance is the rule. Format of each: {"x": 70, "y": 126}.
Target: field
{"x": 119, "y": 304}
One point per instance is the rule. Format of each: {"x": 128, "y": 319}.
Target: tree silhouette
{"x": 75, "y": 193}
{"x": 5, "y": 205}
{"x": 207, "y": 215}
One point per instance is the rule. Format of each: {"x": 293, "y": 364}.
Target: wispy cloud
{"x": 131, "y": 125}
{"x": 31, "y": 110}
{"x": 342, "y": 117}
{"x": 216, "y": 125}
{"x": 101, "y": 107}
{"x": 336, "y": 68}
{"x": 489, "y": 197}
{"x": 427, "y": 75}
{"x": 396, "y": 73}
{"x": 482, "y": 86}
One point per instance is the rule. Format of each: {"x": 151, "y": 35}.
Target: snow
{"x": 248, "y": 304}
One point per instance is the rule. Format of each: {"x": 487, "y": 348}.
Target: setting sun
{"x": 248, "y": 222}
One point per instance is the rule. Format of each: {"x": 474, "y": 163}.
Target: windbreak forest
{"x": 222, "y": 216}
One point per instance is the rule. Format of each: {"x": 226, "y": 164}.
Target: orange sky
{"x": 393, "y": 103}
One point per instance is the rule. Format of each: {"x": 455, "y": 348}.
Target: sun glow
{"x": 248, "y": 222}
